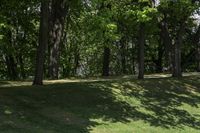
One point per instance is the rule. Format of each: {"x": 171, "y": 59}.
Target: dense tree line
{"x": 61, "y": 38}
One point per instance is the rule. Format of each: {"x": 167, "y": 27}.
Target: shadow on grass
{"x": 164, "y": 98}
{"x": 3, "y": 83}
{"x": 72, "y": 107}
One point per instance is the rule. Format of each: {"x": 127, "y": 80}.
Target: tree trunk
{"x": 43, "y": 42}
{"x": 177, "y": 59}
{"x": 177, "y": 72}
{"x": 167, "y": 43}
{"x": 159, "y": 60}
{"x": 11, "y": 67}
{"x": 123, "y": 55}
{"x": 11, "y": 62}
{"x": 57, "y": 23}
{"x": 133, "y": 57}
{"x": 197, "y": 43}
{"x": 141, "y": 43}
{"x": 76, "y": 61}
{"x": 21, "y": 63}
{"x": 198, "y": 57}
{"x": 106, "y": 61}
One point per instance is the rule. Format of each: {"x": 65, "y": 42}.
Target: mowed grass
{"x": 154, "y": 105}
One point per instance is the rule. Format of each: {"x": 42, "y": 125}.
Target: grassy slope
{"x": 119, "y": 106}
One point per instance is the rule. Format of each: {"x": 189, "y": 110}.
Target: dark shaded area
{"x": 70, "y": 107}
{"x": 3, "y": 83}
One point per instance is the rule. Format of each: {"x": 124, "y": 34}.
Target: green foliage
{"x": 91, "y": 25}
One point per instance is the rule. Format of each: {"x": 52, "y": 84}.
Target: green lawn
{"x": 123, "y": 105}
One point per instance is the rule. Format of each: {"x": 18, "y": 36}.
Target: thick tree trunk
{"x": 57, "y": 23}
{"x": 177, "y": 72}
{"x": 43, "y": 42}
{"x": 11, "y": 62}
{"x": 106, "y": 61}
{"x": 141, "y": 43}
{"x": 167, "y": 43}
{"x": 177, "y": 59}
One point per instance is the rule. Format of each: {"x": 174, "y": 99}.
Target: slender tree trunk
{"x": 57, "y": 23}
{"x": 198, "y": 57}
{"x": 11, "y": 67}
{"x": 21, "y": 63}
{"x": 76, "y": 61}
{"x": 141, "y": 43}
{"x": 159, "y": 61}
{"x": 43, "y": 42}
{"x": 133, "y": 56}
{"x": 106, "y": 61}
{"x": 197, "y": 43}
{"x": 123, "y": 55}
{"x": 9, "y": 72}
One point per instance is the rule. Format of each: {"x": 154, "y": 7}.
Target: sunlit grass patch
{"x": 116, "y": 105}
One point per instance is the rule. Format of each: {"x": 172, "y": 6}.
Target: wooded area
{"x": 55, "y": 39}
{"x": 99, "y": 66}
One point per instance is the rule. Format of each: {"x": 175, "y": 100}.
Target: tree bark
{"x": 141, "y": 43}
{"x": 76, "y": 61}
{"x": 177, "y": 72}
{"x": 159, "y": 60}
{"x": 106, "y": 61}
{"x": 43, "y": 42}
{"x": 57, "y": 23}
{"x": 167, "y": 43}
{"x": 11, "y": 67}
{"x": 21, "y": 63}
{"x": 133, "y": 56}
{"x": 198, "y": 57}
{"x": 123, "y": 55}
{"x": 197, "y": 43}
{"x": 11, "y": 62}
{"x": 177, "y": 59}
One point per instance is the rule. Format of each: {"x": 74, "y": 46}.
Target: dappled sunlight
{"x": 14, "y": 83}
{"x": 158, "y": 101}
{"x": 114, "y": 78}
{"x": 79, "y": 106}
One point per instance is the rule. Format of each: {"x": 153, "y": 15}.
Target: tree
{"x": 95, "y": 38}
{"x": 43, "y": 42}
{"x": 145, "y": 14}
{"x": 106, "y": 61}
{"x": 141, "y": 43}
{"x": 176, "y": 18}
{"x": 197, "y": 43}
{"x": 57, "y": 25}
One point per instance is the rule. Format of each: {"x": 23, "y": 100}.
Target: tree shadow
{"x": 62, "y": 107}
{"x": 164, "y": 98}
{"x": 4, "y": 83}
{"x": 73, "y": 107}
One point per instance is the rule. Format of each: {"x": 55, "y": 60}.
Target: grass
{"x": 122, "y": 105}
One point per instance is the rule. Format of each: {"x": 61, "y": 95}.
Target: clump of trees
{"x": 61, "y": 38}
